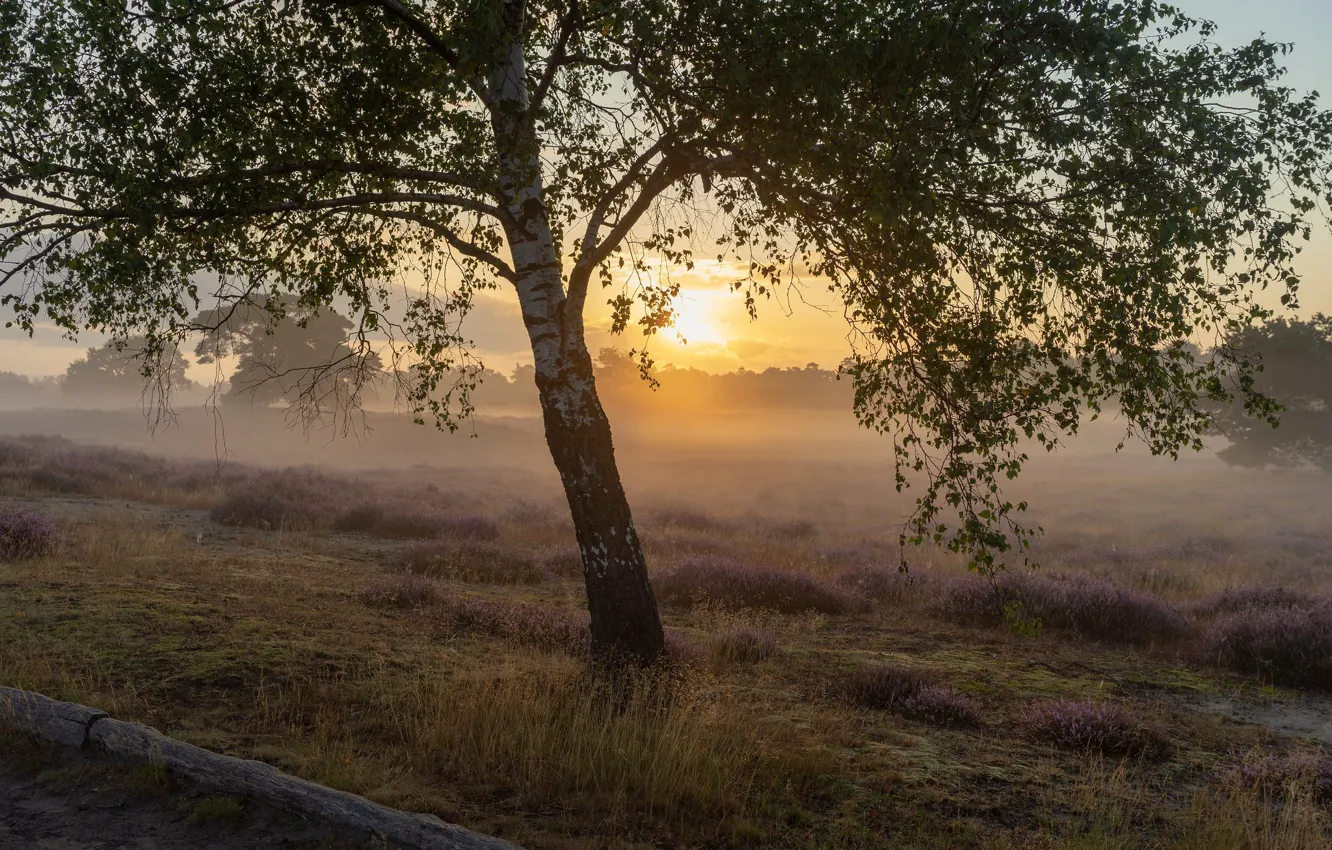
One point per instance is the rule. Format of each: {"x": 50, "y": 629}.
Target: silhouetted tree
{"x": 1296, "y": 371}
{"x": 122, "y": 369}
{"x": 1023, "y": 204}
{"x": 287, "y": 353}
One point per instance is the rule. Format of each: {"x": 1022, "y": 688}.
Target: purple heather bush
{"x": 681, "y": 651}
{"x": 24, "y": 533}
{"x": 475, "y": 561}
{"x": 689, "y": 520}
{"x": 882, "y": 584}
{"x": 742, "y": 644}
{"x": 404, "y": 590}
{"x": 562, "y": 563}
{"x": 792, "y": 530}
{"x": 1283, "y": 646}
{"x": 866, "y": 553}
{"x": 1276, "y": 774}
{"x": 908, "y": 693}
{"x": 361, "y": 517}
{"x": 54, "y": 463}
{"x": 1251, "y": 597}
{"x": 557, "y": 629}
{"x": 1083, "y": 605}
{"x": 738, "y": 585}
{"x": 404, "y": 522}
{"x": 1102, "y": 727}
{"x": 290, "y": 498}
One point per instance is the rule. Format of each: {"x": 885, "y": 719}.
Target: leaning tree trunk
{"x": 619, "y": 597}
{"x": 625, "y": 623}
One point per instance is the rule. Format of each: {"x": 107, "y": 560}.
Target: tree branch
{"x": 459, "y": 244}
{"x": 568, "y": 25}
{"x": 206, "y": 214}
{"x": 396, "y": 9}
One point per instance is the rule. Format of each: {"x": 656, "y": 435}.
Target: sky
{"x": 715, "y": 333}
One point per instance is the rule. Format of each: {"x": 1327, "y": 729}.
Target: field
{"x": 418, "y": 636}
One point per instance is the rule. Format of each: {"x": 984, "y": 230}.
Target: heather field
{"x": 418, "y": 635}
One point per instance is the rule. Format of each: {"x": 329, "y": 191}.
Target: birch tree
{"x": 1027, "y": 207}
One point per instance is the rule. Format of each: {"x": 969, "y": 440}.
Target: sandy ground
{"x": 56, "y": 800}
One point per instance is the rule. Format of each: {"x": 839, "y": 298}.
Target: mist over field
{"x": 779, "y": 444}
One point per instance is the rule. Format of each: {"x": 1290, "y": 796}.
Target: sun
{"x": 694, "y": 322}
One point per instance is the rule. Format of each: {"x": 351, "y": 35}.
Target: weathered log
{"x": 259, "y": 781}
{"x": 64, "y": 723}
{"x": 75, "y": 725}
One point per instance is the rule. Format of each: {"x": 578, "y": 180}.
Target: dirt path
{"x": 53, "y": 800}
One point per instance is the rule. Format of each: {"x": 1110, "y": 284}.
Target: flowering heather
{"x": 290, "y": 498}
{"x": 680, "y": 650}
{"x": 1101, "y": 727}
{"x": 54, "y": 463}
{"x": 563, "y": 563}
{"x": 909, "y": 694}
{"x": 1278, "y": 774}
{"x": 735, "y": 584}
{"x": 404, "y": 590}
{"x": 413, "y": 523}
{"x": 542, "y": 626}
{"x": 1284, "y": 646}
{"x": 362, "y": 518}
{"x": 1084, "y": 605}
{"x": 25, "y": 533}
{"x": 688, "y": 520}
{"x": 791, "y": 530}
{"x": 882, "y": 584}
{"x": 1247, "y": 598}
{"x": 472, "y": 561}
{"x": 742, "y": 644}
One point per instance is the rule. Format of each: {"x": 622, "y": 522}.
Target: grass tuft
{"x": 1094, "y": 726}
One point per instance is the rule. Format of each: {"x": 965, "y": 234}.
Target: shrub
{"x": 273, "y": 500}
{"x": 403, "y": 590}
{"x": 681, "y": 651}
{"x": 742, "y": 644}
{"x": 1247, "y": 598}
{"x": 688, "y": 520}
{"x": 361, "y": 518}
{"x": 792, "y": 530}
{"x": 882, "y": 584}
{"x": 909, "y": 694}
{"x": 942, "y": 706}
{"x": 413, "y": 523}
{"x": 1274, "y": 774}
{"x": 1084, "y": 605}
{"x": 25, "y": 533}
{"x": 1101, "y": 727}
{"x": 734, "y": 584}
{"x": 866, "y": 553}
{"x": 563, "y": 563}
{"x": 524, "y": 624}
{"x": 1284, "y": 646}
{"x": 472, "y": 561}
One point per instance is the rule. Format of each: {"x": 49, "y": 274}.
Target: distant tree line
{"x": 280, "y": 352}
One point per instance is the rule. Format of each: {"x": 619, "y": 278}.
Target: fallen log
{"x": 75, "y": 725}
{"x": 64, "y": 723}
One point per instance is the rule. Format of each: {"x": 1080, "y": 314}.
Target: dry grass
{"x": 1112, "y": 808}
{"x": 473, "y": 701}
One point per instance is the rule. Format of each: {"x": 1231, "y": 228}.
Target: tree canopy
{"x": 118, "y": 370}
{"x": 300, "y": 357}
{"x": 1029, "y": 208}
